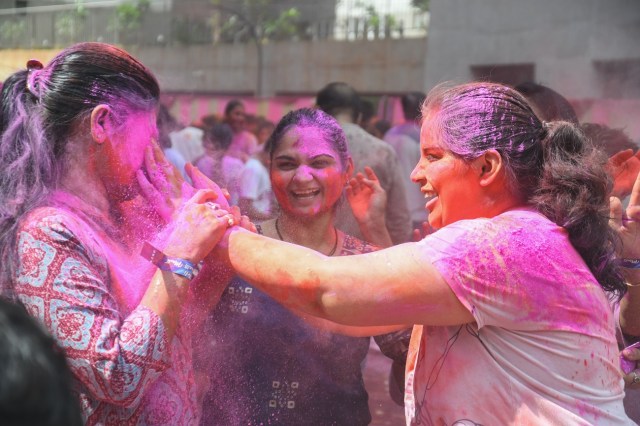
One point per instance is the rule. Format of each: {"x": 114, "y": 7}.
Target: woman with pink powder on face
{"x": 508, "y": 296}
{"x": 267, "y": 365}
{"x": 77, "y": 138}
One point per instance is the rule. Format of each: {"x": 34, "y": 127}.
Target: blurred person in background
{"x": 366, "y": 115}
{"x": 166, "y": 125}
{"x": 342, "y": 102}
{"x": 624, "y": 161}
{"x": 244, "y": 143}
{"x": 188, "y": 142}
{"x": 548, "y": 104}
{"x": 216, "y": 164}
{"x": 252, "y": 122}
{"x": 255, "y": 196}
{"x": 379, "y": 127}
{"x": 405, "y": 140}
{"x": 264, "y": 131}
{"x": 208, "y": 121}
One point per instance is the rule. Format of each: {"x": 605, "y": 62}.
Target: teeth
{"x": 308, "y": 193}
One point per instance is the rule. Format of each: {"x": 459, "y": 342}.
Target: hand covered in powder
{"x": 419, "y": 234}
{"x": 626, "y": 223}
{"x": 201, "y": 181}
{"x": 632, "y": 378}
{"x": 199, "y": 225}
{"x": 624, "y": 167}
{"x": 368, "y": 200}
{"x": 162, "y": 185}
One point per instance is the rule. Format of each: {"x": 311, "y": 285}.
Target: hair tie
{"x": 34, "y": 67}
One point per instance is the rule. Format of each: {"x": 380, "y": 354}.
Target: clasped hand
{"x": 199, "y": 213}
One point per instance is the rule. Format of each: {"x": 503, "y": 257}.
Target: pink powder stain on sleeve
{"x": 541, "y": 268}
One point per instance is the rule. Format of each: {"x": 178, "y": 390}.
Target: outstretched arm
{"x": 388, "y": 287}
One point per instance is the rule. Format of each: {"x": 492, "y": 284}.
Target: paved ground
{"x": 384, "y": 411}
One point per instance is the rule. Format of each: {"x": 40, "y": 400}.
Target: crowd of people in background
{"x": 234, "y": 270}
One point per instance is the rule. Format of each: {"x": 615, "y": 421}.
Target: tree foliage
{"x": 257, "y": 19}
{"x": 422, "y": 5}
{"x": 128, "y": 19}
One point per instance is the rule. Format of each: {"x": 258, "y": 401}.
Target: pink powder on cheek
{"x": 279, "y": 184}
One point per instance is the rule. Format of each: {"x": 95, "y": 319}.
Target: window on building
{"x": 619, "y": 79}
{"x": 511, "y": 74}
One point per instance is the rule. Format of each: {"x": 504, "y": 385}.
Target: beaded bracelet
{"x": 178, "y": 266}
{"x": 629, "y": 263}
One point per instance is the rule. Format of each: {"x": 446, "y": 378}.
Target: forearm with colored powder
{"x": 278, "y": 268}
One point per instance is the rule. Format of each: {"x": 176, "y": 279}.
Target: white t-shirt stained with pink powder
{"x": 542, "y": 350}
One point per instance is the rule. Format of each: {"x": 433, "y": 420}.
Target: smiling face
{"x": 449, "y": 183}
{"x": 237, "y": 118}
{"x": 307, "y": 175}
{"x": 123, "y": 154}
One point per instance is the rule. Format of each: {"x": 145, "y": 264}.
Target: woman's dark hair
{"x": 551, "y": 105}
{"x": 411, "y": 103}
{"x": 220, "y": 135}
{"x": 310, "y": 117}
{"x": 551, "y": 166}
{"x": 40, "y": 111}
{"x": 339, "y": 97}
{"x": 35, "y": 380}
{"x": 608, "y": 139}
{"x": 231, "y": 105}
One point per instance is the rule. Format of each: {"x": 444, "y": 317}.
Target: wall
{"x": 565, "y": 40}
{"x": 199, "y": 80}
{"x": 562, "y": 38}
{"x": 376, "y": 66}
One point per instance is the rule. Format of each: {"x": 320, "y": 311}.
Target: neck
{"x": 318, "y": 233}
{"x": 79, "y": 178}
{"x": 497, "y": 205}
{"x": 343, "y": 117}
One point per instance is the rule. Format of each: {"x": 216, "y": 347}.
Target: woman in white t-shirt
{"x": 508, "y": 297}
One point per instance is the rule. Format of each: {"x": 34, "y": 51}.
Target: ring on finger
{"x": 228, "y": 219}
{"x": 636, "y": 378}
{"x": 212, "y": 205}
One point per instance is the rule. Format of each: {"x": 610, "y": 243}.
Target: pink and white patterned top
{"x": 72, "y": 277}
{"x": 542, "y": 349}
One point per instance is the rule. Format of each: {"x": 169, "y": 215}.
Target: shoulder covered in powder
{"x": 512, "y": 268}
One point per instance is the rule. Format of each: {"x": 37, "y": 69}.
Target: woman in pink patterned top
{"x": 76, "y": 149}
{"x": 509, "y": 297}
